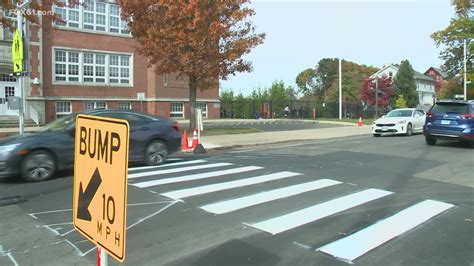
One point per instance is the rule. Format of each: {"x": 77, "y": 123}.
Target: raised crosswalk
{"x": 211, "y": 177}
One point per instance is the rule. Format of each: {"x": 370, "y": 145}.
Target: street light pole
{"x": 465, "y": 69}
{"x": 19, "y": 15}
{"x": 340, "y": 89}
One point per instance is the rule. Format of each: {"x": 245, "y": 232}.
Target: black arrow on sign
{"x": 85, "y": 198}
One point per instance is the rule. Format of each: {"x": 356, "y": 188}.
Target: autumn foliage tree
{"x": 200, "y": 39}
{"x": 385, "y": 88}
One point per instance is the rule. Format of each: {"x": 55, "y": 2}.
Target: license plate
{"x": 384, "y": 129}
{"x": 445, "y": 122}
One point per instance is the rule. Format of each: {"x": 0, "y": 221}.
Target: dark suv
{"x": 450, "y": 119}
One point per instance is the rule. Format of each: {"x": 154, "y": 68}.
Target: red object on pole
{"x": 185, "y": 144}
{"x": 360, "y": 122}
{"x": 195, "y": 138}
{"x": 98, "y": 256}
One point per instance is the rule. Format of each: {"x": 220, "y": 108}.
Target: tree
{"x": 203, "y": 40}
{"x": 405, "y": 85}
{"x": 306, "y": 81}
{"x": 401, "y": 103}
{"x": 461, "y": 28}
{"x": 385, "y": 89}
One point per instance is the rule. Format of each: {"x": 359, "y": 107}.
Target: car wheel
{"x": 409, "y": 130}
{"x": 38, "y": 166}
{"x": 430, "y": 140}
{"x": 376, "y": 135}
{"x": 156, "y": 153}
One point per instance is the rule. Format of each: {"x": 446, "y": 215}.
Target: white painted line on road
{"x": 33, "y": 215}
{"x": 10, "y": 256}
{"x": 301, "y": 245}
{"x": 151, "y": 215}
{"x": 177, "y": 170}
{"x": 295, "y": 219}
{"x": 166, "y": 165}
{"x": 357, "y": 244}
{"x": 267, "y": 196}
{"x": 189, "y": 192}
{"x": 307, "y": 142}
{"x": 195, "y": 176}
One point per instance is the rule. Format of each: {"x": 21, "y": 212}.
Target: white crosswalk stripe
{"x": 356, "y": 245}
{"x": 177, "y": 170}
{"x": 252, "y": 200}
{"x": 347, "y": 249}
{"x": 189, "y": 192}
{"x": 196, "y": 176}
{"x": 165, "y": 165}
{"x": 319, "y": 211}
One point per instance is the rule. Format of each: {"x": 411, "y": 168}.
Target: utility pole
{"x": 340, "y": 88}
{"x": 465, "y": 69}
{"x": 19, "y": 15}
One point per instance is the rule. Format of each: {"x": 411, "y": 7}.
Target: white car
{"x": 400, "y": 121}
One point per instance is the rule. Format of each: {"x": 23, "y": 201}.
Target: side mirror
{"x": 383, "y": 116}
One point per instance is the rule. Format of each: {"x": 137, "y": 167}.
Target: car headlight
{"x": 8, "y": 148}
{"x": 402, "y": 122}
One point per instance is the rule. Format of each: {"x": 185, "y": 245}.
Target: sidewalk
{"x": 254, "y": 139}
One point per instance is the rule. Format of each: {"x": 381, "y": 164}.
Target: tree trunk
{"x": 192, "y": 103}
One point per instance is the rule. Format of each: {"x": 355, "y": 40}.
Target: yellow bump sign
{"x": 100, "y": 182}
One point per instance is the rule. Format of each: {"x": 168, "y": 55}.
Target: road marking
{"x": 295, "y": 219}
{"x": 306, "y": 143}
{"x": 357, "y": 244}
{"x": 166, "y": 165}
{"x": 267, "y": 196}
{"x": 196, "y": 176}
{"x": 184, "y": 193}
{"x": 141, "y": 220}
{"x": 177, "y": 170}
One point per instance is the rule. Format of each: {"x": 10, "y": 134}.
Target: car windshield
{"x": 400, "y": 113}
{"x": 59, "y": 124}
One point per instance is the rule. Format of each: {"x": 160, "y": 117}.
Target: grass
{"x": 224, "y": 131}
{"x": 367, "y": 121}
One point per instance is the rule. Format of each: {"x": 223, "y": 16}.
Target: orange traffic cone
{"x": 360, "y": 122}
{"x": 185, "y": 144}
{"x": 195, "y": 138}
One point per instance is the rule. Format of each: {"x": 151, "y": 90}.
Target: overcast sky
{"x": 371, "y": 32}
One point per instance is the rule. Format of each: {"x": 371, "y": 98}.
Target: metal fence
{"x": 293, "y": 109}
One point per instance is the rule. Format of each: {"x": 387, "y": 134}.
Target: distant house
{"x": 425, "y": 85}
{"x": 439, "y": 76}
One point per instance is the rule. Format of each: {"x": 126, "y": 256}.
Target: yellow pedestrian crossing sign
{"x": 17, "y": 52}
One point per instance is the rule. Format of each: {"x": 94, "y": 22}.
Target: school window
{"x": 176, "y": 109}
{"x": 92, "y": 67}
{"x": 203, "y": 107}
{"x": 63, "y": 108}
{"x": 125, "y": 105}
{"x": 90, "y": 105}
{"x": 92, "y": 15}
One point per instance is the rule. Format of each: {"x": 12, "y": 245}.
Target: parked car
{"x": 400, "y": 121}
{"x": 450, "y": 119}
{"x": 38, "y": 156}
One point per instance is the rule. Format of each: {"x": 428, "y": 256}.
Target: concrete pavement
{"x": 261, "y": 138}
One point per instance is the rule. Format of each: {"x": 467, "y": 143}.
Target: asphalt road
{"x": 266, "y": 125}
{"x": 365, "y": 200}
